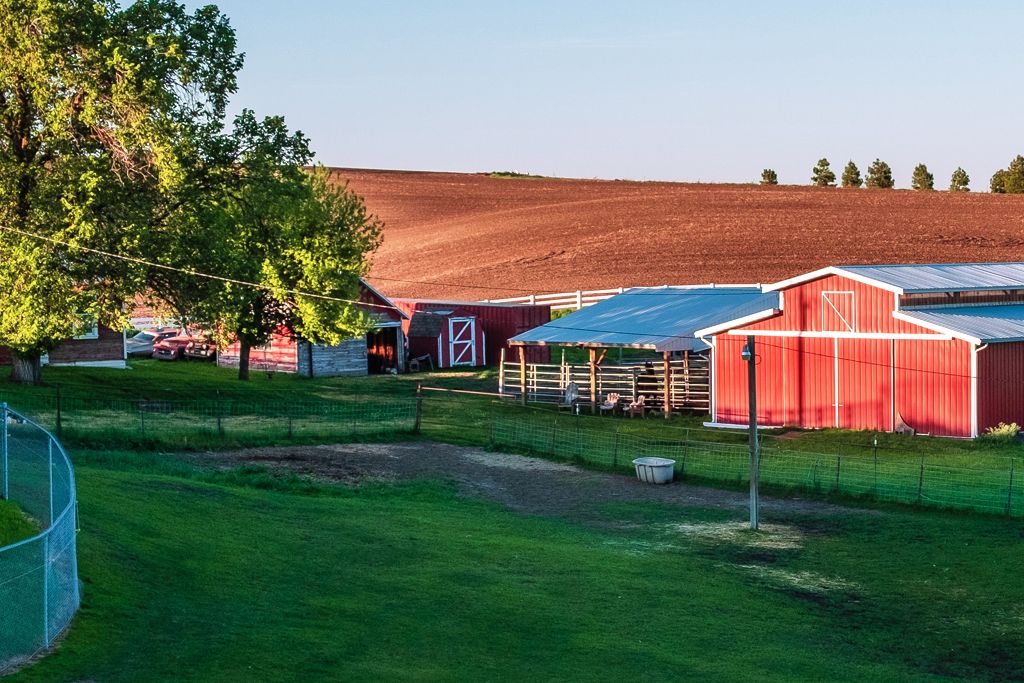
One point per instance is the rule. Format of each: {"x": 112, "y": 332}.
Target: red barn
{"x": 937, "y": 348}
{"x": 495, "y": 324}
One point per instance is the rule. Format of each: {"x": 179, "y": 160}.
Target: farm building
{"x": 938, "y": 349}
{"x": 99, "y": 347}
{"x": 381, "y": 350}
{"x": 661, "y": 320}
{"x": 469, "y": 333}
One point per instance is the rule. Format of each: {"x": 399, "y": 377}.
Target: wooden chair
{"x": 637, "y": 407}
{"x": 570, "y": 398}
{"x": 611, "y": 402}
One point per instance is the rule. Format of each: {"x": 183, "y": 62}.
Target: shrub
{"x": 1002, "y": 433}
{"x": 769, "y": 177}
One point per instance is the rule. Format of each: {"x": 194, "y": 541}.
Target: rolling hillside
{"x": 496, "y": 237}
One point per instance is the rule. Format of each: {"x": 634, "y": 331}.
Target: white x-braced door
{"x": 462, "y": 341}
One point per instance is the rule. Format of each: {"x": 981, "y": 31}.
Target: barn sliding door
{"x": 462, "y": 341}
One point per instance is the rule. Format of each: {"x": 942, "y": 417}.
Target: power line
{"x": 192, "y": 272}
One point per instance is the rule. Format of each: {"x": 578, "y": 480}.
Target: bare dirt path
{"x": 522, "y": 483}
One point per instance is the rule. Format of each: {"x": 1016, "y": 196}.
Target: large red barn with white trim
{"x": 936, "y": 348}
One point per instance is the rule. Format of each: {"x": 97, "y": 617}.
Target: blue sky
{"x": 644, "y": 90}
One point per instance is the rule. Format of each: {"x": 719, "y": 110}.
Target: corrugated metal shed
{"x": 663, "y": 319}
{"x": 947, "y": 277}
{"x": 982, "y": 324}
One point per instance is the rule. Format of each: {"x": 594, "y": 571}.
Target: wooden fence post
{"x": 501, "y": 371}
{"x": 522, "y": 375}
{"x": 920, "y": 482}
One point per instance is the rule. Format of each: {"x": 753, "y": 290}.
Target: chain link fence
{"x": 993, "y": 485}
{"x": 39, "y": 591}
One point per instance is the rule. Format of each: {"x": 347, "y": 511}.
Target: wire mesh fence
{"x": 39, "y": 591}
{"x": 996, "y": 486}
{"x": 185, "y": 423}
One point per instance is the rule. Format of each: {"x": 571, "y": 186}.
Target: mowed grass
{"x": 14, "y": 525}
{"x": 198, "y": 576}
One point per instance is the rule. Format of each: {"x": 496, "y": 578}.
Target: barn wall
{"x": 1000, "y": 385}
{"x": 278, "y": 355}
{"x": 849, "y": 383}
{"x": 107, "y": 349}
{"x": 346, "y": 359}
{"x": 499, "y": 322}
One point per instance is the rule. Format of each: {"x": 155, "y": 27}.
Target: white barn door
{"x": 462, "y": 341}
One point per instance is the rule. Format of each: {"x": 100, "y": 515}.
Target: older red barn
{"x": 936, "y": 348}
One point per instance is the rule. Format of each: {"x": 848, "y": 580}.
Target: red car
{"x": 172, "y": 348}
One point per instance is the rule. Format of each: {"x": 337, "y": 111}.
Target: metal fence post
{"x": 3, "y": 448}
{"x": 920, "y": 482}
{"x": 419, "y": 409}
{"x": 46, "y": 591}
{"x": 49, "y": 472}
{"x": 839, "y": 464}
{"x": 1009, "y": 492}
{"x": 60, "y": 421}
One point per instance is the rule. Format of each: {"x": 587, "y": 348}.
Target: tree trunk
{"x": 243, "y": 359}
{"x": 26, "y": 368}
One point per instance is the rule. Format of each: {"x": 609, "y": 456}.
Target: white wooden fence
{"x": 689, "y": 382}
{"x": 587, "y": 297}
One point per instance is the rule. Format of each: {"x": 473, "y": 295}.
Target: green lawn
{"x": 191, "y": 576}
{"x": 14, "y": 526}
{"x": 197, "y": 406}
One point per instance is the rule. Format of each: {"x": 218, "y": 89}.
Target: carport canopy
{"x": 663, "y": 319}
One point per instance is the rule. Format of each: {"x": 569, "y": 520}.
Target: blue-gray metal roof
{"x": 981, "y": 323}
{"x": 945, "y": 277}
{"x": 663, "y": 319}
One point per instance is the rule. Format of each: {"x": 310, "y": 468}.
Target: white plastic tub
{"x": 655, "y": 470}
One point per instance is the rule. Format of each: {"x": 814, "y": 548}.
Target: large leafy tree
{"x": 100, "y": 110}
{"x": 822, "y": 175}
{"x": 293, "y": 244}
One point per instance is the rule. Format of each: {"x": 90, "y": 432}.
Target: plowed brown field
{"x": 475, "y": 236}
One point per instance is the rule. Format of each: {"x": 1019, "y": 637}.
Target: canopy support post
{"x": 593, "y": 380}
{"x": 668, "y": 383}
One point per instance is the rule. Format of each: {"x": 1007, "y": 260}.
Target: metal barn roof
{"x": 948, "y": 277}
{"x": 978, "y": 323}
{"x": 923, "y": 278}
{"x": 663, "y": 319}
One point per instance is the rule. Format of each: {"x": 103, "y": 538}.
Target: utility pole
{"x": 750, "y": 356}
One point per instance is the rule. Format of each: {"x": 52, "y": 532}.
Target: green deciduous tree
{"x": 822, "y": 175}
{"x": 851, "y": 175}
{"x": 769, "y": 177}
{"x": 879, "y": 175}
{"x": 98, "y": 107}
{"x": 960, "y": 181}
{"x": 922, "y": 179}
{"x": 282, "y": 228}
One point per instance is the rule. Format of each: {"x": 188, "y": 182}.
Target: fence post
{"x": 46, "y": 591}
{"x": 60, "y": 422}
{"x": 288, "y": 412}
{"x": 920, "y": 482}
{"x": 217, "y": 411}
{"x": 419, "y": 409}
{"x": 579, "y": 300}
{"x": 49, "y": 474}
{"x": 3, "y": 447}
{"x": 839, "y": 464}
{"x": 1009, "y": 491}
{"x": 615, "y": 449}
{"x": 142, "y": 420}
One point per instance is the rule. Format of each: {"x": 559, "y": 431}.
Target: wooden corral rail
{"x": 689, "y": 382}
{"x": 587, "y": 297}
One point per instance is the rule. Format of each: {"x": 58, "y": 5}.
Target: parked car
{"x": 142, "y": 343}
{"x": 201, "y": 348}
{"x": 172, "y": 348}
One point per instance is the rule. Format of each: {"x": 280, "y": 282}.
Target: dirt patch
{"x": 524, "y": 484}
